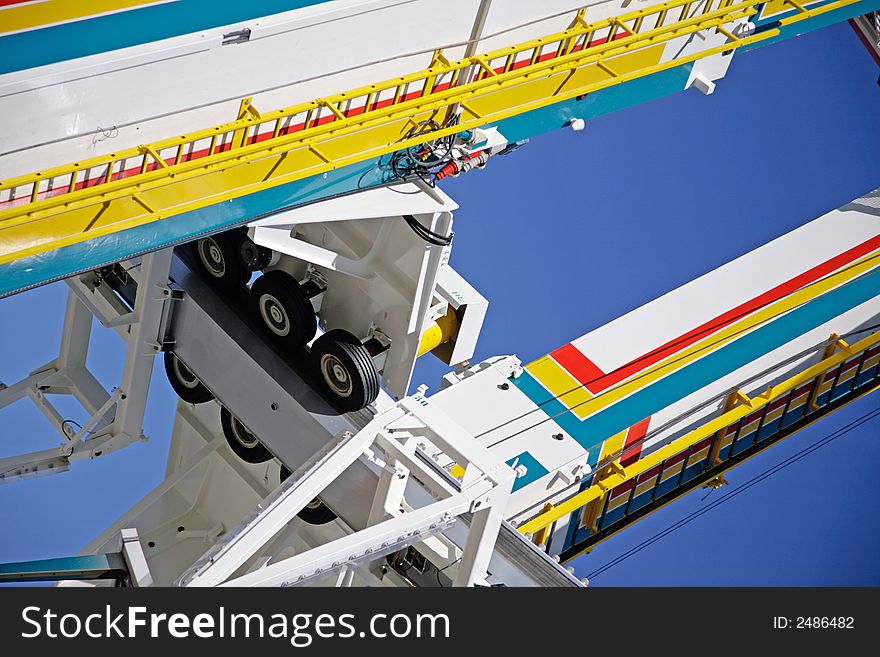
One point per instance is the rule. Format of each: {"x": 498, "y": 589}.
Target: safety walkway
{"x": 74, "y": 203}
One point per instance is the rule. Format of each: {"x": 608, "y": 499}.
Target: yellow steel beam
{"x": 233, "y": 167}
{"x": 612, "y": 480}
{"x": 441, "y": 331}
{"x": 146, "y": 149}
{"x": 246, "y": 108}
{"x": 719, "y": 481}
{"x": 804, "y": 13}
{"x": 721, "y": 30}
{"x": 541, "y": 535}
{"x": 834, "y": 343}
{"x": 729, "y": 403}
{"x": 672, "y": 28}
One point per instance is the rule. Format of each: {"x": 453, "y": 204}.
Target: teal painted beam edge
{"x": 595, "y": 104}
{"x": 43, "y": 268}
{"x": 534, "y": 470}
{"x": 91, "y": 566}
{"x": 134, "y": 27}
{"x": 46, "y": 267}
{"x": 823, "y": 20}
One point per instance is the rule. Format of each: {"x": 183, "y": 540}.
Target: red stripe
{"x": 851, "y": 364}
{"x": 599, "y": 42}
{"x": 411, "y": 95}
{"x": 6, "y": 3}
{"x": 329, "y": 118}
{"x": 594, "y": 380}
{"x": 578, "y": 365}
{"x": 703, "y": 444}
{"x": 649, "y": 474}
{"x": 634, "y": 434}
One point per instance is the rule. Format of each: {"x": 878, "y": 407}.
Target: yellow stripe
{"x": 749, "y": 428}
{"x": 672, "y": 471}
{"x": 696, "y": 457}
{"x": 726, "y": 335}
{"x": 846, "y": 376}
{"x": 692, "y": 437}
{"x": 645, "y": 486}
{"x": 613, "y": 446}
{"x": 15, "y": 19}
{"x": 559, "y": 382}
{"x": 77, "y": 216}
{"x": 618, "y": 501}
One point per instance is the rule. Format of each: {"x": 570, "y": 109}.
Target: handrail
{"x": 128, "y": 188}
{"x": 618, "y": 474}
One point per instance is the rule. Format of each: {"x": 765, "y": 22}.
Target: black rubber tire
{"x": 346, "y": 370}
{"x": 220, "y": 257}
{"x": 284, "y": 309}
{"x": 184, "y": 382}
{"x": 246, "y": 446}
{"x": 253, "y": 256}
{"x": 316, "y": 512}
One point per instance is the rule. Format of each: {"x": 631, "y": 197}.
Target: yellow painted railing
{"x": 614, "y": 475}
{"x": 57, "y": 207}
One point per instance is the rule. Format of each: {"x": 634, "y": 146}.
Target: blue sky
{"x": 563, "y": 236}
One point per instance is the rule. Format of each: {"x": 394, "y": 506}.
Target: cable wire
{"x": 426, "y": 233}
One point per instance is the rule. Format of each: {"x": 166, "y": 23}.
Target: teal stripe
{"x": 90, "y": 36}
{"x": 705, "y": 371}
{"x": 551, "y": 408}
{"x": 600, "y": 102}
{"x": 823, "y": 20}
{"x": 534, "y": 470}
{"x": 45, "y": 267}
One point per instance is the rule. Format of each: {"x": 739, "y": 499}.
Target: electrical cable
{"x": 426, "y": 233}
{"x": 424, "y": 160}
{"x": 866, "y": 417}
{"x": 437, "y": 572}
{"x": 89, "y": 432}
{"x": 356, "y": 67}
{"x": 77, "y": 425}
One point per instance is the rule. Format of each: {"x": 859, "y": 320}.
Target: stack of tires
{"x": 339, "y": 360}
